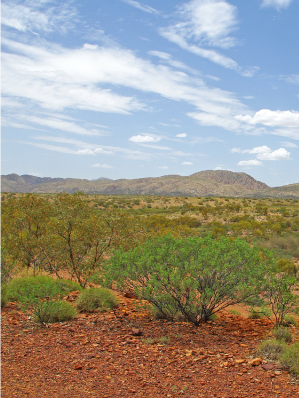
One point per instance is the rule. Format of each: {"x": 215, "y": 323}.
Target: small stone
{"x": 137, "y": 332}
{"x": 277, "y": 373}
{"x": 255, "y": 361}
{"x": 268, "y": 366}
{"x": 238, "y": 361}
{"x": 78, "y": 367}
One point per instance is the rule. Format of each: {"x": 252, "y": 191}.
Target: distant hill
{"x": 204, "y": 183}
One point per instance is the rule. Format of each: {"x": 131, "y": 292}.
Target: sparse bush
{"x": 30, "y": 289}
{"x": 234, "y": 312}
{"x": 53, "y": 311}
{"x": 272, "y": 349}
{"x": 3, "y": 297}
{"x": 283, "y": 334}
{"x": 255, "y": 314}
{"x": 96, "y": 299}
{"x": 290, "y": 358}
{"x": 289, "y": 320}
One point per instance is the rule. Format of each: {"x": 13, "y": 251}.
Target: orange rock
{"x": 255, "y": 361}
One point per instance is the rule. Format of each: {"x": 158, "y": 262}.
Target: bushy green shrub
{"x": 96, "y": 299}
{"x": 290, "y": 358}
{"x": 272, "y": 349}
{"x": 30, "y": 289}
{"x": 53, "y": 311}
{"x": 283, "y": 334}
{"x": 195, "y": 276}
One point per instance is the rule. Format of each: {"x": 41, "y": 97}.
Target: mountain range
{"x": 203, "y": 183}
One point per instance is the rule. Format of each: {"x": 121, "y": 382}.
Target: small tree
{"x": 196, "y": 276}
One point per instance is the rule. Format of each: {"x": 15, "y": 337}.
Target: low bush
{"x": 272, "y": 349}
{"x": 96, "y": 299}
{"x": 290, "y": 358}
{"x": 30, "y": 289}
{"x": 282, "y": 334}
{"x": 289, "y": 320}
{"x": 53, "y": 311}
{"x": 3, "y": 297}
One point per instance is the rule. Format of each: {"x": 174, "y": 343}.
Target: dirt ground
{"x": 128, "y": 354}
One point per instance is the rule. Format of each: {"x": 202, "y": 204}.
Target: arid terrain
{"x": 103, "y": 355}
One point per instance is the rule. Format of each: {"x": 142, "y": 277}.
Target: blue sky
{"x": 128, "y": 89}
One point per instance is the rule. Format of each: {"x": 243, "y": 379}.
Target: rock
{"x": 130, "y": 295}
{"x": 268, "y": 366}
{"x": 78, "y": 367}
{"x": 238, "y": 361}
{"x": 277, "y": 373}
{"x": 137, "y": 332}
{"x": 255, "y": 361}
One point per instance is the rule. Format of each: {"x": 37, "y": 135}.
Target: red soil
{"x": 97, "y": 355}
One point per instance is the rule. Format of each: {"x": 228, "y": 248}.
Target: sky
{"x": 129, "y": 89}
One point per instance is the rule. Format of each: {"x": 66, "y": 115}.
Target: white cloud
{"x": 56, "y": 78}
{"x": 289, "y": 144}
{"x": 272, "y": 118}
{"x": 206, "y": 23}
{"x": 252, "y": 162}
{"x": 164, "y": 167}
{"x": 103, "y": 166}
{"x": 220, "y": 168}
{"x": 278, "y": 4}
{"x": 34, "y": 17}
{"x": 278, "y": 154}
{"x": 263, "y": 153}
{"x": 292, "y": 79}
{"x": 182, "y": 135}
{"x": 187, "y": 163}
{"x": 140, "y": 6}
{"x": 144, "y": 138}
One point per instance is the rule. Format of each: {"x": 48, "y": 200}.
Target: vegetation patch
{"x": 97, "y": 299}
{"x": 53, "y": 311}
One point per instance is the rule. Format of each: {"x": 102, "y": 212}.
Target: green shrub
{"x": 33, "y": 288}
{"x": 195, "y": 276}
{"x": 289, "y": 320}
{"x": 255, "y": 314}
{"x": 96, "y": 299}
{"x": 53, "y": 311}
{"x": 3, "y": 296}
{"x": 290, "y": 358}
{"x": 282, "y": 334}
{"x": 234, "y": 312}
{"x": 272, "y": 349}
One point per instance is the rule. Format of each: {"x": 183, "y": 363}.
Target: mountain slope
{"x": 204, "y": 183}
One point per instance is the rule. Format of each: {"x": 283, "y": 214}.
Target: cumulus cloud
{"x": 278, "y": 154}
{"x": 263, "y": 153}
{"x": 278, "y": 4}
{"x": 272, "y": 118}
{"x": 144, "y": 138}
{"x": 182, "y": 135}
{"x": 103, "y": 166}
{"x": 187, "y": 163}
{"x": 252, "y": 162}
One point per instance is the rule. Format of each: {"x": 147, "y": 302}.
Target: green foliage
{"x": 279, "y": 293}
{"x": 289, "y": 320}
{"x": 96, "y": 299}
{"x": 53, "y": 311}
{"x": 31, "y": 289}
{"x": 195, "y": 276}
{"x": 282, "y": 334}
{"x": 272, "y": 349}
{"x": 290, "y": 358}
{"x": 3, "y": 296}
